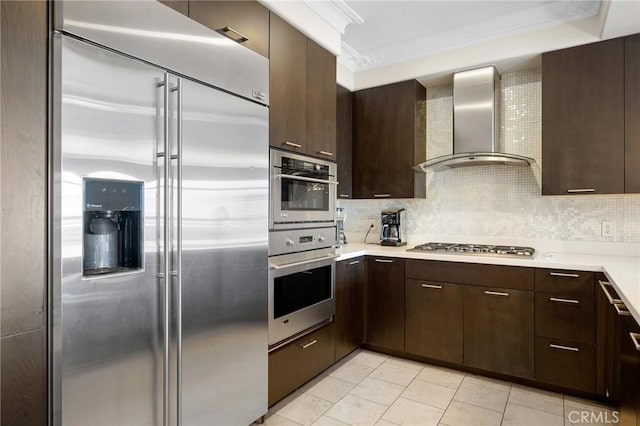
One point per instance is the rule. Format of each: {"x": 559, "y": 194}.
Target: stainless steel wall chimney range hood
{"x": 476, "y": 97}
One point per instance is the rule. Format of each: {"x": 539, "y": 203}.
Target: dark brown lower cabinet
{"x": 498, "y": 330}
{"x": 350, "y": 276}
{"x": 433, "y": 320}
{"x": 294, "y": 364}
{"x": 385, "y": 302}
{"x": 629, "y": 373}
{"x": 567, "y": 364}
{"x": 608, "y": 342}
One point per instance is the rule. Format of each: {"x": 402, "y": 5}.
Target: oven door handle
{"x": 305, "y": 262}
{"x": 306, "y": 179}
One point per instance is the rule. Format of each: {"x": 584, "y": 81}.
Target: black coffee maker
{"x": 393, "y": 228}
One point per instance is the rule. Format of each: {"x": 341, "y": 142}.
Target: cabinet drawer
{"x": 514, "y": 277}
{"x": 294, "y": 364}
{"x": 570, "y": 365}
{"x": 571, "y": 319}
{"x": 564, "y": 282}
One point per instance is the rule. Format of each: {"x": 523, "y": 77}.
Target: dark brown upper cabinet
{"x": 389, "y": 138}
{"x": 321, "y": 102}
{"x": 344, "y": 146}
{"x": 302, "y": 92}
{"x": 246, "y": 22}
{"x": 632, "y": 113}
{"x": 181, "y": 6}
{"x": 583, "y": 141}
{"x": 287, "y": 86}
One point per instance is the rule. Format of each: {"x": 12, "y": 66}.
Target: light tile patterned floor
{"x": 368, "y": 388}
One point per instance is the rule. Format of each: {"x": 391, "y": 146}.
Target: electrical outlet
{"x": 608, "y": 229}
{"x": 372, "y": 223}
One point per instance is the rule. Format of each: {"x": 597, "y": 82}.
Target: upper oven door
{"x": 303, "y": 190}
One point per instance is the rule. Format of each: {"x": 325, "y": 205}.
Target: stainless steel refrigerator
{"x": 158, "y": 301}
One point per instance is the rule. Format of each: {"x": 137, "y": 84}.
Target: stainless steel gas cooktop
{"x": 481, "y": 249}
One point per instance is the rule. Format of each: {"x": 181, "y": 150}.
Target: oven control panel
{"x": 296, "y": 240}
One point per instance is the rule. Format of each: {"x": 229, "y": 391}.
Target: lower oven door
{"x": 301, "y": 295}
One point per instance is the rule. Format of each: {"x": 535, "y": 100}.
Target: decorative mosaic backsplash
{"x": 498, "y": 201}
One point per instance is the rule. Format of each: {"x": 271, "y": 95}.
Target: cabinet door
{"x": 389, "y": 138}
{"x": 321, "y": 102}
{"x": 344, "y": 141}
{"x": 632, "y": 112}
{"x": 385, "y": 303}
{"x": 583, "y": 119}
{"x": 498, "y": 330}
{"x": 287, "y": 86}
{"x": 629, "y": 372}
{"x": 246, "y": 22}
{"x": 433, "y": 321}
{"x": 349, "y": 305}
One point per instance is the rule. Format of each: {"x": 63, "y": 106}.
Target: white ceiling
{"x": 385, "y": 41}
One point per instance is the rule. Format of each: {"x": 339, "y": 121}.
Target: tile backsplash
{"x": 495, "y": 201}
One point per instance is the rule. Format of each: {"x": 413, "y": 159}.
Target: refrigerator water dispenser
{"x": 112, "y": 223}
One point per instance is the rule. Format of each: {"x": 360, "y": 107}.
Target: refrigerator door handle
{"x": 178, "y": 267}
{"x": 166, "y": 254}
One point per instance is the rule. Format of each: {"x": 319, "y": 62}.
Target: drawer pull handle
{"x": 557, "y": 299}
{"x": 311, "y": 343}
{"x": 383, "y": 261}
{"x": 634, "y": 339}
{"x": 431, "y": 286}
{"x": 355, "y": 262}
{"x": 561, "y": 274}
{"x": 603, "y": 286}
{"x": 344, "y": 196}
{"x": 496, "y": 293}
{"x": 330, "y": 154}
{"x": 564, "y": 348}
{"x": 622, "y": 310}
{"x": 580, "y": 190}
{"x": 381, "y": 195}
{"x": 295, "y": 145}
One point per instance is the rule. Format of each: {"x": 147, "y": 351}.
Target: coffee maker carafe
{"x": 392, "y": 229}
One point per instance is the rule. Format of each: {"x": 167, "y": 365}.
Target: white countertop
{"x": 622, "y": 271}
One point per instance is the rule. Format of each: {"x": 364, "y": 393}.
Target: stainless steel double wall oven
{"x": 302, "y": 241}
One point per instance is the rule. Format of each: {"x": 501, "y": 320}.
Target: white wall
{"x": 501, "y": 203}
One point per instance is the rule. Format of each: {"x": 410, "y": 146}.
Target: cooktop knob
{"x": 320, "y": 239}
{"x": 288, "y": 243}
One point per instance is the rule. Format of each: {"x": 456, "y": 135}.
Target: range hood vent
{"x": 476, "y": 96}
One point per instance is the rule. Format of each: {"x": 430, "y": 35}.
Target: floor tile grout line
{"x": 479, "y": 406}
{"x": 452, "y": 397}
{"x": 506, "y": 403}
{"x": 536, "y": 409}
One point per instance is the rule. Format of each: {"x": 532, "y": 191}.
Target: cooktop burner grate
{"x": 482, "y": 249}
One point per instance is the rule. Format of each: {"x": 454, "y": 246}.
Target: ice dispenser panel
{"x": 113, "y": 226}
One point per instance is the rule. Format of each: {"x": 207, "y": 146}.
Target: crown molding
{"x": 336, "y": 12}
{"x": 550, "y": 15}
